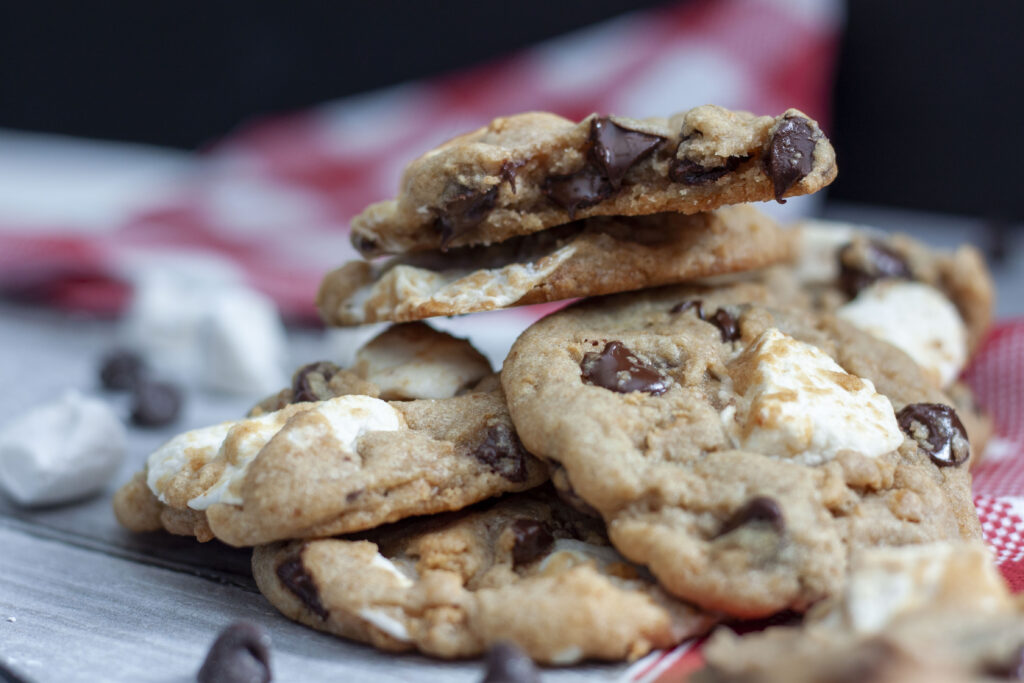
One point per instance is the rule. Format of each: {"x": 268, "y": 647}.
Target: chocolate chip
{"x": 502, "y": 451}
{"x": 155, "y": 404}
{"x": 790, "y": 154}
{"x": 463, "y": 212}
{"x": 615, "y": 149}
{"x": 309, "y": 383}
{"x": 1011, "y": 668}
{"x": 726, "y": 323}
{"x": 695, "y": 304}
{"x": 579, "y": 190}
{"x": 241, "y": 654}
{"x": 761, "y": 509}
{"x": 121, "y": 370}
{"x": 364, "y": 244}
{"x": 507, "y": 663}
{"x": 532, "y": 539}
{"x": 616, "y": 368}
{"x": 508, "y": 171}
{"x": 861, "y": 265}
{"x": 295, "y": 578}
{"x": 691, "y": 173}
{"x": 352, "y": 496}
{"x": 938, "y": 432}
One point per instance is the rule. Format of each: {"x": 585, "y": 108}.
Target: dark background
{"x": 926, "y": 102}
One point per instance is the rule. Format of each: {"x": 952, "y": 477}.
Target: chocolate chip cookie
{"x": 598, "y": 255}
{"x": 525, "y": 173}
{"x": 937, "y": 612}
{"x": 526, "y": 569}
{"x": 737, "y": 446}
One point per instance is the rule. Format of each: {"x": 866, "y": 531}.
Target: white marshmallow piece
{"x": 61, "y": 451}
{"x": 800, "y": 404}
{"x": 915, "y": 318}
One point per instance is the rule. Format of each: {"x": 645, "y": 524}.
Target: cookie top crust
{"x": 594, "y": 256}
{"x": 528, "y": 172}
{"x": 526, "y": 569}
{"x": 737, "y": 445}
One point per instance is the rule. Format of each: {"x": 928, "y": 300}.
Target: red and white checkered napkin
{"x": 997, "y": 377}
{"x": 272, "y": 203}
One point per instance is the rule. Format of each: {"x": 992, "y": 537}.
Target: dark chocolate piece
{"x": 502, "y": 451}
{"x": 506, "y": 663}
{"x": 155, "y": 404}
{"x": 295, "y": 578}
{"x": 938, "y": 432}
{"x": 121, "y": 370}
{"x": 241, "y": 654}
{"x": 761, "y": 509}
{"x": 696, "y": 304}
{"x": 576, "y": 191}
{"x": 364, "y": 244}
{"x": 726, "y": 323}
{"x": 615, "y": 149}
{"x": 309, "y": 383}
{"x": 508, "y": 172}
{"x": 862, "y": 267}
{"x": 463, "y": 212}
{"x": 618, "y": 369}
{"x": 790, "y": 154}
{"x": 691, "y": 173}
{"x": 532, "y": 539}
{"x": 1011, "y": 669}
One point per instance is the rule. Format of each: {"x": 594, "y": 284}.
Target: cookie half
{"x": 739, "y": 448}
{"x": 526, "y": 569}
{"x": 589, "y": 257}
{"x": 525, "y": 173}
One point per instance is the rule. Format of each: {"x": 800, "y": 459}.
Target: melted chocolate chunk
{"x": 508, "y": 172}
{"x": 295, "y": 578}
{"x": 615, "y": 149}
{"x": 155, "y": 404}
{"x": 790, "y": 154}
{"x": 695, "y": 304}
{"x": 121, "y": 370}
{"x": 506, "y": 663}
{"x": 618, "y": 369}
{"x": 938, "y": 432}
{"x": 466, "y": 210}
{"x": 862, "y": 267}
{"x": 364, "y": 244}
{"x": 502, "y": 451}
{"x": 586, "y": 187}
{"x": 726, "y": 323}
{"x": 691, "y": 173}
{"x": 761, "y": 509}
{"x": 309, "y": 383}
{"x": 1011, "y": 669}
{"x": 532, "y": 539}
{"x": 241, "y": 654}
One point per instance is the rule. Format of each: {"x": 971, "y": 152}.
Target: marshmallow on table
{"x": 61, "y": 451}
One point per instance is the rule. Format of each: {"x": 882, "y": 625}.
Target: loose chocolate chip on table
{"x": 464, "y": 212}
{"x": 309, "y": 383}
{"x": 532, "y": 539}
{"x": 506, "y": 663}
{"x": 695, "y": 304}
{"x": 155, "y": 404}
{"x": 295, "y": 578}
{"x": 502, "y": 451}
{"x": 120, "y": 370}
{"x": 938, "y": 432}
{"x": 241, "y": 654}
{"x": 862, "y": 267}
{"x": 760, "y": 509}
{"x": 691, "y": 173}
{"x": 616, "y": 368}
{"x": 579, "y": 190}
{"x": 615, "y": 149}
{"x": 726, "y": 323}
{"x": 790, "y": 154}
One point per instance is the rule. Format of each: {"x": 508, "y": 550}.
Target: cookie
{"x": 525, "y": 173}
{"x": 598, "y": 255}
{"x": 937, "y": 612}
{"x": 525, "y": 569}
{"x": 739, "y": 448}
{"x": 935, "y": 305}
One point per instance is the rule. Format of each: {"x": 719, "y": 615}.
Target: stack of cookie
{"x": 647, "y": 463}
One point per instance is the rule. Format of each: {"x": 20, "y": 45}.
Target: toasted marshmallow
{"x": 796, "y": 402}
